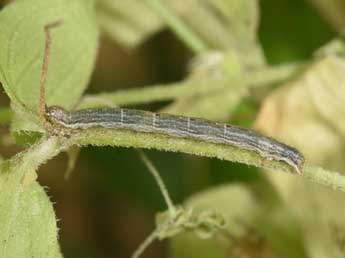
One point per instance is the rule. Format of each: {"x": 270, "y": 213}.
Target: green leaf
{"x": 73, "y": 51}
{"x": 313, "y": 105}
{"x": 129, "y": 22}
{"x": 27, "y": 219}
{"x": 224, "y": 25}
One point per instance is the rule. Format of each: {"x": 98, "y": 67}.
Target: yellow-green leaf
{"x": 22, "y": 40}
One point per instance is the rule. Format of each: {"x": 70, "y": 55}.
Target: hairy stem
{"x": 126, "y": 138}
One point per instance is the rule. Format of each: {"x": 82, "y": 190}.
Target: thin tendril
{"x": 152, "y": 237}
{"x": 148, "y": 241}
{"x": 160, "y": 183}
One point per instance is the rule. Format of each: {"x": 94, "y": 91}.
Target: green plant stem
{"x": 37, "y": 154}
{"x": 274, "y": 74}
{"x": 325, "y": 177}
{"x": 261, "y": 77}
{"x": 101, "y": 137}
{"x": 179, "y": 27}
{"x": 210, "y": 27}
{"x": 126, "y": 138}
{"x": 153, "y": 93}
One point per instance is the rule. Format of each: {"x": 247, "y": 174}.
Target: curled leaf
{"x": 72, "y": 57}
